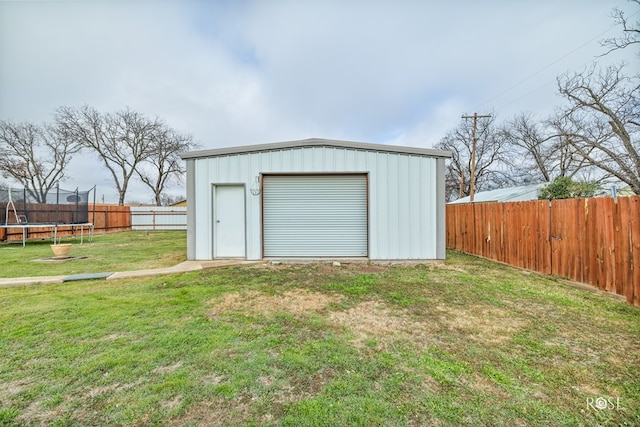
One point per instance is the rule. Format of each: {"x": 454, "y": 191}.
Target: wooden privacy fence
{"x": 594, "y": 241}
{"x": 105, "y": 218}
{"x": 111, "y": 218}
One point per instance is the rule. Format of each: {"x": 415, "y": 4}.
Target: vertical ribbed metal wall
{"x": 404, "y": 200}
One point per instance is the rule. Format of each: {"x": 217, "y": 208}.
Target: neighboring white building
{"x": 316, "y": 198}
{"x": 511, "y": 194}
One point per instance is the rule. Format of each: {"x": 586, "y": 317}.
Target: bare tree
{"x": 537, "y": 152}
{"x": 630, "y": 31}
{"x": 164, "y": 163}
{"x": 490, "y": 168}
{"x": 122, "y": 140}
{"x": 168, "y": 199}
{"x": 35, "y": 156}
{"x": 602, "y": 120}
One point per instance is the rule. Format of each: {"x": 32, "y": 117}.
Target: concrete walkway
{"x": 183, "y": 267}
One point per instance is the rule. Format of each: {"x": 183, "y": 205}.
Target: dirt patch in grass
{"x": 172, "y": 403}
{"x": 447, "y": 267}
{"x": 376, "y": 320}
{"x": 36, "y": 413}
{"x": 486, "y": 324}
{"x": 40, "y": 361}
{"x": 12, "y": 388}
{"x": 110, "y": 388}
{"x": 113, "y": 337}
{"x": 370, "y": 319}
{"x": 305, "y": 387}
{"x": 220, "y": 412}
{"x": 367, "y": 320}
{"x": 357, "y": 267}
{"x": 297, "y": 302}
{"x": 587, "y": 390}
{"x": 168, "y": 369}
{"x": 213, "y": 379}
{"x": 477, "y": 384}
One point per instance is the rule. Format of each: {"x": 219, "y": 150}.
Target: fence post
{"x": 550, "y": 236}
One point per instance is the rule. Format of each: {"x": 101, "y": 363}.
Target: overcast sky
{"x": 237, "y": 72}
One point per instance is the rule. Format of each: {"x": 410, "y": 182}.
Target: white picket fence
{"x": 158, "y": 218}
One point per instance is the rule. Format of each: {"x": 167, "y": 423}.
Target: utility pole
{"x": 472, "y": 184}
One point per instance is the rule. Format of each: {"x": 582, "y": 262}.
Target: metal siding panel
{"x": 340, "y": 159}
{"x": 286, "y": 160}
{"x": 381, "y": 231}
{"x": 317, "y": 215}
{"x": 278, "y": 161}
{"x": 267, "y": 160}
{"x": 240, "y": 171}
{"x": 423, "y": 207}
{"x": 307, "y": 159}
{"x": 393, "y": 204}
{"x": 431, "y": 212}
{"x": 426, "y": 207}
{"x": 404, "y": 209}
{"x": 329, "y": 159}
{"x": 413, "y": 178}
{"x": 368, "y": 163}
{"x": 232, "y": 169}
{"x": 425, "y": 217}
{"x": 390, "y": 197}
{"x": 203, "y": 210}
{"x": 441, "y": 223}
{"x": 254, "y": 212}
{"x": 221, "y": 169}
{"x": 191, "y": 219}
{"x": 316, "y": 159}
{"x": 428, "y": 212}
{"x": 402, "y": 218}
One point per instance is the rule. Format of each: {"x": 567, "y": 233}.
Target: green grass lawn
{"x": 466, "y": 343}
{"x": 124, "y": 251}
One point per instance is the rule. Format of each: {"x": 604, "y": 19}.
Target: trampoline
{"x": 60, "y": 208}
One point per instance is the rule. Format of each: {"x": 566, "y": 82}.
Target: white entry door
{"x": 228, "y": 221}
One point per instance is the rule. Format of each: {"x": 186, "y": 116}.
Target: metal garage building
{"x": 316, "y": 198}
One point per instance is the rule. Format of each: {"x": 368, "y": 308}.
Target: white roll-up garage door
{"x": 315, "y": 215}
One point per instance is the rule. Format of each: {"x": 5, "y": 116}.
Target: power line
{"x": 547, "y": 67}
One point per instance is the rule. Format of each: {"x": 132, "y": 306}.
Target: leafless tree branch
{"x": 490, "y": 155}
{"x": 35, "y": 156}
{"x": 129, "y": 144}
{"x": 164, "y": 163}
{"x": 601, "y": 120}
{"x": 630, "y": 32}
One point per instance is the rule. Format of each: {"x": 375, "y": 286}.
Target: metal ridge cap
{"x": 316, "y": 142}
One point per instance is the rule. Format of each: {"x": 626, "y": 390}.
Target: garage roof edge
{"x": 316, "y": 142}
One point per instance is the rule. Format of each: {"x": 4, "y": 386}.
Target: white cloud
{"x": 235, "y": 73}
